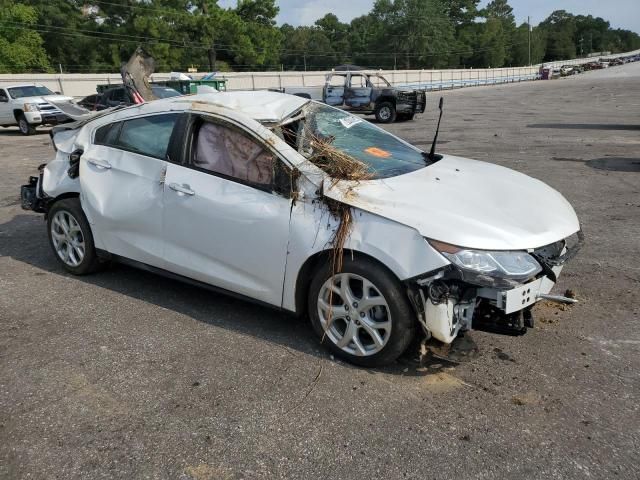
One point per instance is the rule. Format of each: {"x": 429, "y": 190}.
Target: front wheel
{"x": 362, "y": 313}
{"x": 385, "y": 112}
{"x": 71, "y": 238}
{"x": 25, "y": 127}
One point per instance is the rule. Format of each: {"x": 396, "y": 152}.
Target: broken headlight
{"x": 514, "y": 266}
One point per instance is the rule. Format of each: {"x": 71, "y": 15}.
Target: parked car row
{"x": 568, "y": 70}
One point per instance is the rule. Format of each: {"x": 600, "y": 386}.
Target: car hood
{"x": 468, "y": 203}
{"x": 56, "y": 98}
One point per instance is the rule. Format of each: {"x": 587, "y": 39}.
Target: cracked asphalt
{"x": 124, "y": 374}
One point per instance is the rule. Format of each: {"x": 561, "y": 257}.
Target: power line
{"x": 159, "y": 40}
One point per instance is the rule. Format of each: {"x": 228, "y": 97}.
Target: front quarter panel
{"x": 400, "y": 248}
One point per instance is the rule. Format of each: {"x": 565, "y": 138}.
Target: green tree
{"x": 502, "y": 39}
{"x": 21, "y": 47}
{"x": 560, "y": 29}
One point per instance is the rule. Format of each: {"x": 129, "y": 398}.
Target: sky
{"x": 620, "y": 13}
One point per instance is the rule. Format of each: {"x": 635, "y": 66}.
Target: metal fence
{"x": 80, "y": 85}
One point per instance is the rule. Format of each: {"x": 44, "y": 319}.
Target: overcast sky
{"x": 620, "y": 13}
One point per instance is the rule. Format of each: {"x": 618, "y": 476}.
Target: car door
{"x": 333, "y": 93}
{"x": 122, "y": 186}
{"x": 357, "y": 95}
{"x": 223, "y": 222}
{"x": 6, "y": 111}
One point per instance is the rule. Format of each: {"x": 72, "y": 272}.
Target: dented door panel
{"x": 122, "y": 195}
{"x": 227, "y": 234}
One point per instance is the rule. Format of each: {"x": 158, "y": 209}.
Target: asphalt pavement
{"x": 124, "y": 374}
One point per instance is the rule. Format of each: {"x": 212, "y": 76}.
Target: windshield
{"x": 29, "y": 91}
{"x": 383, "y": 154}
{"x": 165, "y": 92}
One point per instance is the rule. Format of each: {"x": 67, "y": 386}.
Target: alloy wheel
{"x": 67, "y": 238}
{"x": 23, "y": 126}
{"x": 354, "y": 314}
{"x": 385, "y": 113}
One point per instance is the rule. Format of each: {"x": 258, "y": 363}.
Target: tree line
{"x": 97, "y": 35}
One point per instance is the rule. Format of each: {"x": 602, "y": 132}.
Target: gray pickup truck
{"x": 354, "y": 90}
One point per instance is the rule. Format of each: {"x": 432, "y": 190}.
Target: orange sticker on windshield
{"x": 377, "y": 152}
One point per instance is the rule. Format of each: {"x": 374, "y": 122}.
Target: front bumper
{"x": 447, "y": 302}
{"x": 31, "y": 195}
{"x": 53, "y": 117}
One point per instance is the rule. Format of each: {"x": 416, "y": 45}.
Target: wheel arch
{"x": 62, "y": 196}
{"x": 308, "y": 268}
{"x": 386, "y": 98}
{"x": 17, "y": 112}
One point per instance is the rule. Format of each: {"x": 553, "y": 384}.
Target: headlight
{"x": 511, "y": 265}
{"x": 30, "y": 107}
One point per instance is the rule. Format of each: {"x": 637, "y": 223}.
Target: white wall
{"x": 82, "y": 84}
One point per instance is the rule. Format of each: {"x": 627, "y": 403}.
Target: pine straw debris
{"x": 336, "y": 163}
{"x": 339, "y": 166}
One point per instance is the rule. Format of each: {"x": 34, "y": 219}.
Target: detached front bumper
{"x": 31, "y": 195}
{"x": 448, "y": 303}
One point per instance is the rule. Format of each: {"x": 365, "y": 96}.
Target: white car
{"x": 222, "y": 190}
{"x": 29, "y": 105}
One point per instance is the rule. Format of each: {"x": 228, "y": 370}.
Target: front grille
{"x": 47, "y": 107}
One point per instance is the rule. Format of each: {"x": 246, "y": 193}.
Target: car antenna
{"x": 432, "y": 153}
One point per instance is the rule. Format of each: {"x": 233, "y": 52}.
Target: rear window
{"x": 107, "y": 135}
{"x": 145, "y": 135}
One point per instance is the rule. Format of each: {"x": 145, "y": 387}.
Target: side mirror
{"x": 57, "y": 93}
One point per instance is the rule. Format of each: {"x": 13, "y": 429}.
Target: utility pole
{"x": 529, "y": 34}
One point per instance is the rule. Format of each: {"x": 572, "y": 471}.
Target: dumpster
{"x": 187, "y": 87}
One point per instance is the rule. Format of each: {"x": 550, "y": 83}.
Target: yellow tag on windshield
{"x": 377, "y": 152}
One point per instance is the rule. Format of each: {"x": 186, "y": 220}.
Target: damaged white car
{"x": 309, "y": 209}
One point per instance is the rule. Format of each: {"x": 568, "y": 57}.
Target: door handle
{"x": 181, "y": 189}
{"x": 99, "y": 164}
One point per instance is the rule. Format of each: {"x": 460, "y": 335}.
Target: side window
{"x": 230, "y": 152}
{"x": 107, "y": 134}
{"x": 358, "y": 81}
{"x": 147, "y": 135}
{"x": 336, "y": 81}
{"x": 3, "y": 94}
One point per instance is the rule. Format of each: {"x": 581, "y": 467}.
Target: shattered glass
{"x": 385, "y": 155}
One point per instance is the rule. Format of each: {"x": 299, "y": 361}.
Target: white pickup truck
{"x": 28, "y": 106}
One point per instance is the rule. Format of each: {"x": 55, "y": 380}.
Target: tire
{"x": 25, "y": 127}
{"x": 70, "y": 237}
{"x": 385, "y": 112}
{"x": 345, "y": 331}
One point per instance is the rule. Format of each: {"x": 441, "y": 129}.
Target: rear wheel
{"x": 25, "y": 127}
{"x": 385, "y": 112}
{"x": 362, "y": 313}
{"x": 70, "y": 237}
